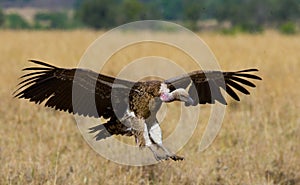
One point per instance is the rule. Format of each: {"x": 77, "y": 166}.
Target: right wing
{"x": 206, "y": 85}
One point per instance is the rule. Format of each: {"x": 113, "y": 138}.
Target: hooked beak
{"x": 182, "y": 95}
{"x": 188, "y": 100}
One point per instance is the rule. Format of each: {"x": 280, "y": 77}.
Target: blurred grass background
{"x": 258, "y": 143}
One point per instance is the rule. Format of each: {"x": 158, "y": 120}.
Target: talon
{"x": 177, "y": 158}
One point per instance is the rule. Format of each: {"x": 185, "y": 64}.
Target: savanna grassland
{"x": 259, "y": 142}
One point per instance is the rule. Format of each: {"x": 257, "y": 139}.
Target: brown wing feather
{"x": 206, "y": 84}
{"x": 78, "y": 91}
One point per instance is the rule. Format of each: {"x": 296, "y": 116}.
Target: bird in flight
{"x": 129, "y": 108}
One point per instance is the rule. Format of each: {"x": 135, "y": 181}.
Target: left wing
{"x": 77, "y": 91}
{"x": 206, "y": 85}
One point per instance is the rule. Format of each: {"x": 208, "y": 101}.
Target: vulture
{"x": 129, "y": 107}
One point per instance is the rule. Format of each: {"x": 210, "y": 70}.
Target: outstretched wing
{"x": 207, "y": 84}
{"x": 78, "y": 91}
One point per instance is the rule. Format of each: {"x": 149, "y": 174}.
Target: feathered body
{"x": 144, "y": 98}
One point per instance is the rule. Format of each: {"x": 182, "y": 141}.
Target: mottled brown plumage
{"x": 129, "y": 107}
{"x": 144, "y": 98}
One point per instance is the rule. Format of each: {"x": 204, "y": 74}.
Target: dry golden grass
{"x": 258, "y": 143}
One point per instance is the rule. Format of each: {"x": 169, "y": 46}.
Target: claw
{"x": 167, "y": 157}
{"x": 176, "y": 158}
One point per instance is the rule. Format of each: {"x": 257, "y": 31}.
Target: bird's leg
{"x": 152, "y": 146}
{"x": 169, "y": 154}
{"x": 158, "y": 157}
{"x": 156, "y": 136}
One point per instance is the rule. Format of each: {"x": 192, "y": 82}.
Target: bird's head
{"x": 177, "y": 95}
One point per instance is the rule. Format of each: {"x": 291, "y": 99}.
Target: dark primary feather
{"x": 55, "y": 86}
{"x": 207, "y": 84}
